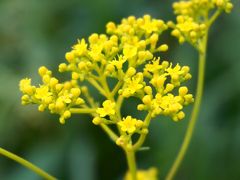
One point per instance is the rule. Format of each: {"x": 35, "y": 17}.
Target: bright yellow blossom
{"x": 25, "y": 86}
{"x": 194, "y": 17}
{"x": 108, "y": 109}
{"x": 128, "y": 124}
{"x": 42, "y": 92}
{"x": 132, "y": 85}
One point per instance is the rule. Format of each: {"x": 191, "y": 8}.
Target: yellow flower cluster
{"x": 120, "y": 53}
{"x": 55, "y": 96}
{"x": 187, "y": 29}
{"x": 132, "y": 42}
{"x": 164, "y": 79}
{"x": 126, "y": 55}
{"x": 131, "y": 31}
{"x": 193, "y": 17}
{"x": 150, "y": 174}
{"x": 196, "y": 8}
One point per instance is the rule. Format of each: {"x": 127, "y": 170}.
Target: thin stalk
{"x": 109, "y": 132}
{"x": 214, "y": 17}
{"x": 130, "y": 154}
{"x": 116, "y": 88}
{"x": 82, "y": 110}
{"x": 97, "y": 86}
{"x": 27, "y": 164}
{"x": 142, "y": 137}
{"x": 195, "y": 112}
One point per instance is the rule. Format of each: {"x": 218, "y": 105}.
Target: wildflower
{"x": 108, "y": 109}
{"x": 119, "y": 54}
{"x": 129, "y": 51}
{"x": 57, "y": 97}
{"x": 25, "y": 86}
{"x": 119, "y": 62}
{"x": 193, "y": 18}
{"x": 80, "y": 48}
{"x": 133, "y": 85}
{"x": 129, "y": 124}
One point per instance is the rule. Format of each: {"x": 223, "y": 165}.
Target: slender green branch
{"x": 132, "y": 163}
{"x": 103, "y": 81}
{"x": 97, "y": 86}
{"x": 27, "y": 164}
{"x": 140, "y": 142}
{"x": 214, "y": 17}
{"x": 90, "y": 100}
{"x": 142, "y": 137}
{"x": 119, "y": 102}
{"x": 116, "y": 88}
{"x": 82, "y": 110}
{"x": 195, "y": 112}
{"x": 110, "y": 133}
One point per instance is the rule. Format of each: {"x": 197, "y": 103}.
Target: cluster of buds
{"x": 194, "y": 18}
{"x": 59, "y": 98}
{"x": 186, "y": 29}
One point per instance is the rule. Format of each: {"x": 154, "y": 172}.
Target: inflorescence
{"x": 194, "y": 17}
{"x": 126, "y": 53}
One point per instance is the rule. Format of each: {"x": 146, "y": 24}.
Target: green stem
{"x": 116, "y": 88}
{"x": 195, "y": 112}
{"x": 109, "y": 132}
{"x": 131, "y": 163}
{"x": 27, "y": 164}
{"x": 97, "y": 86}
{"x": 214, "y": 17}
{"x": 89, "y": 99}
{"x": 82, "y": 110}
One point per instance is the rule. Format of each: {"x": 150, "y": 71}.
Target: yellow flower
{"x": 158, "y": 81}
{"x": 133, "y": 85}
{"x": 66, "y": 97}
{"x": 108, "y": 109}
{"x": 25, "y": 86}
{"x": 42, "y": 92}
{"x": 174, "y": 72}
{"x": 119, "y": 62}
{"x": 169, "y": 103}
{"x": 153, "y": 67}
{"x": 129, "y": 51}
{"x": 81, "y": 47}
{"x": 128, "y": 124}
{"x": 150, "y": 25}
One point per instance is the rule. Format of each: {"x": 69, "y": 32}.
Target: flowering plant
{"x": 129, "y": 55}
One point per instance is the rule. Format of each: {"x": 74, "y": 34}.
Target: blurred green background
{"x": 35, "y": 33}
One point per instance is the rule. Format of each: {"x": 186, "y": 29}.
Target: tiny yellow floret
{"x": 108, "y": 109}
{"x": 128, "y": 124}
